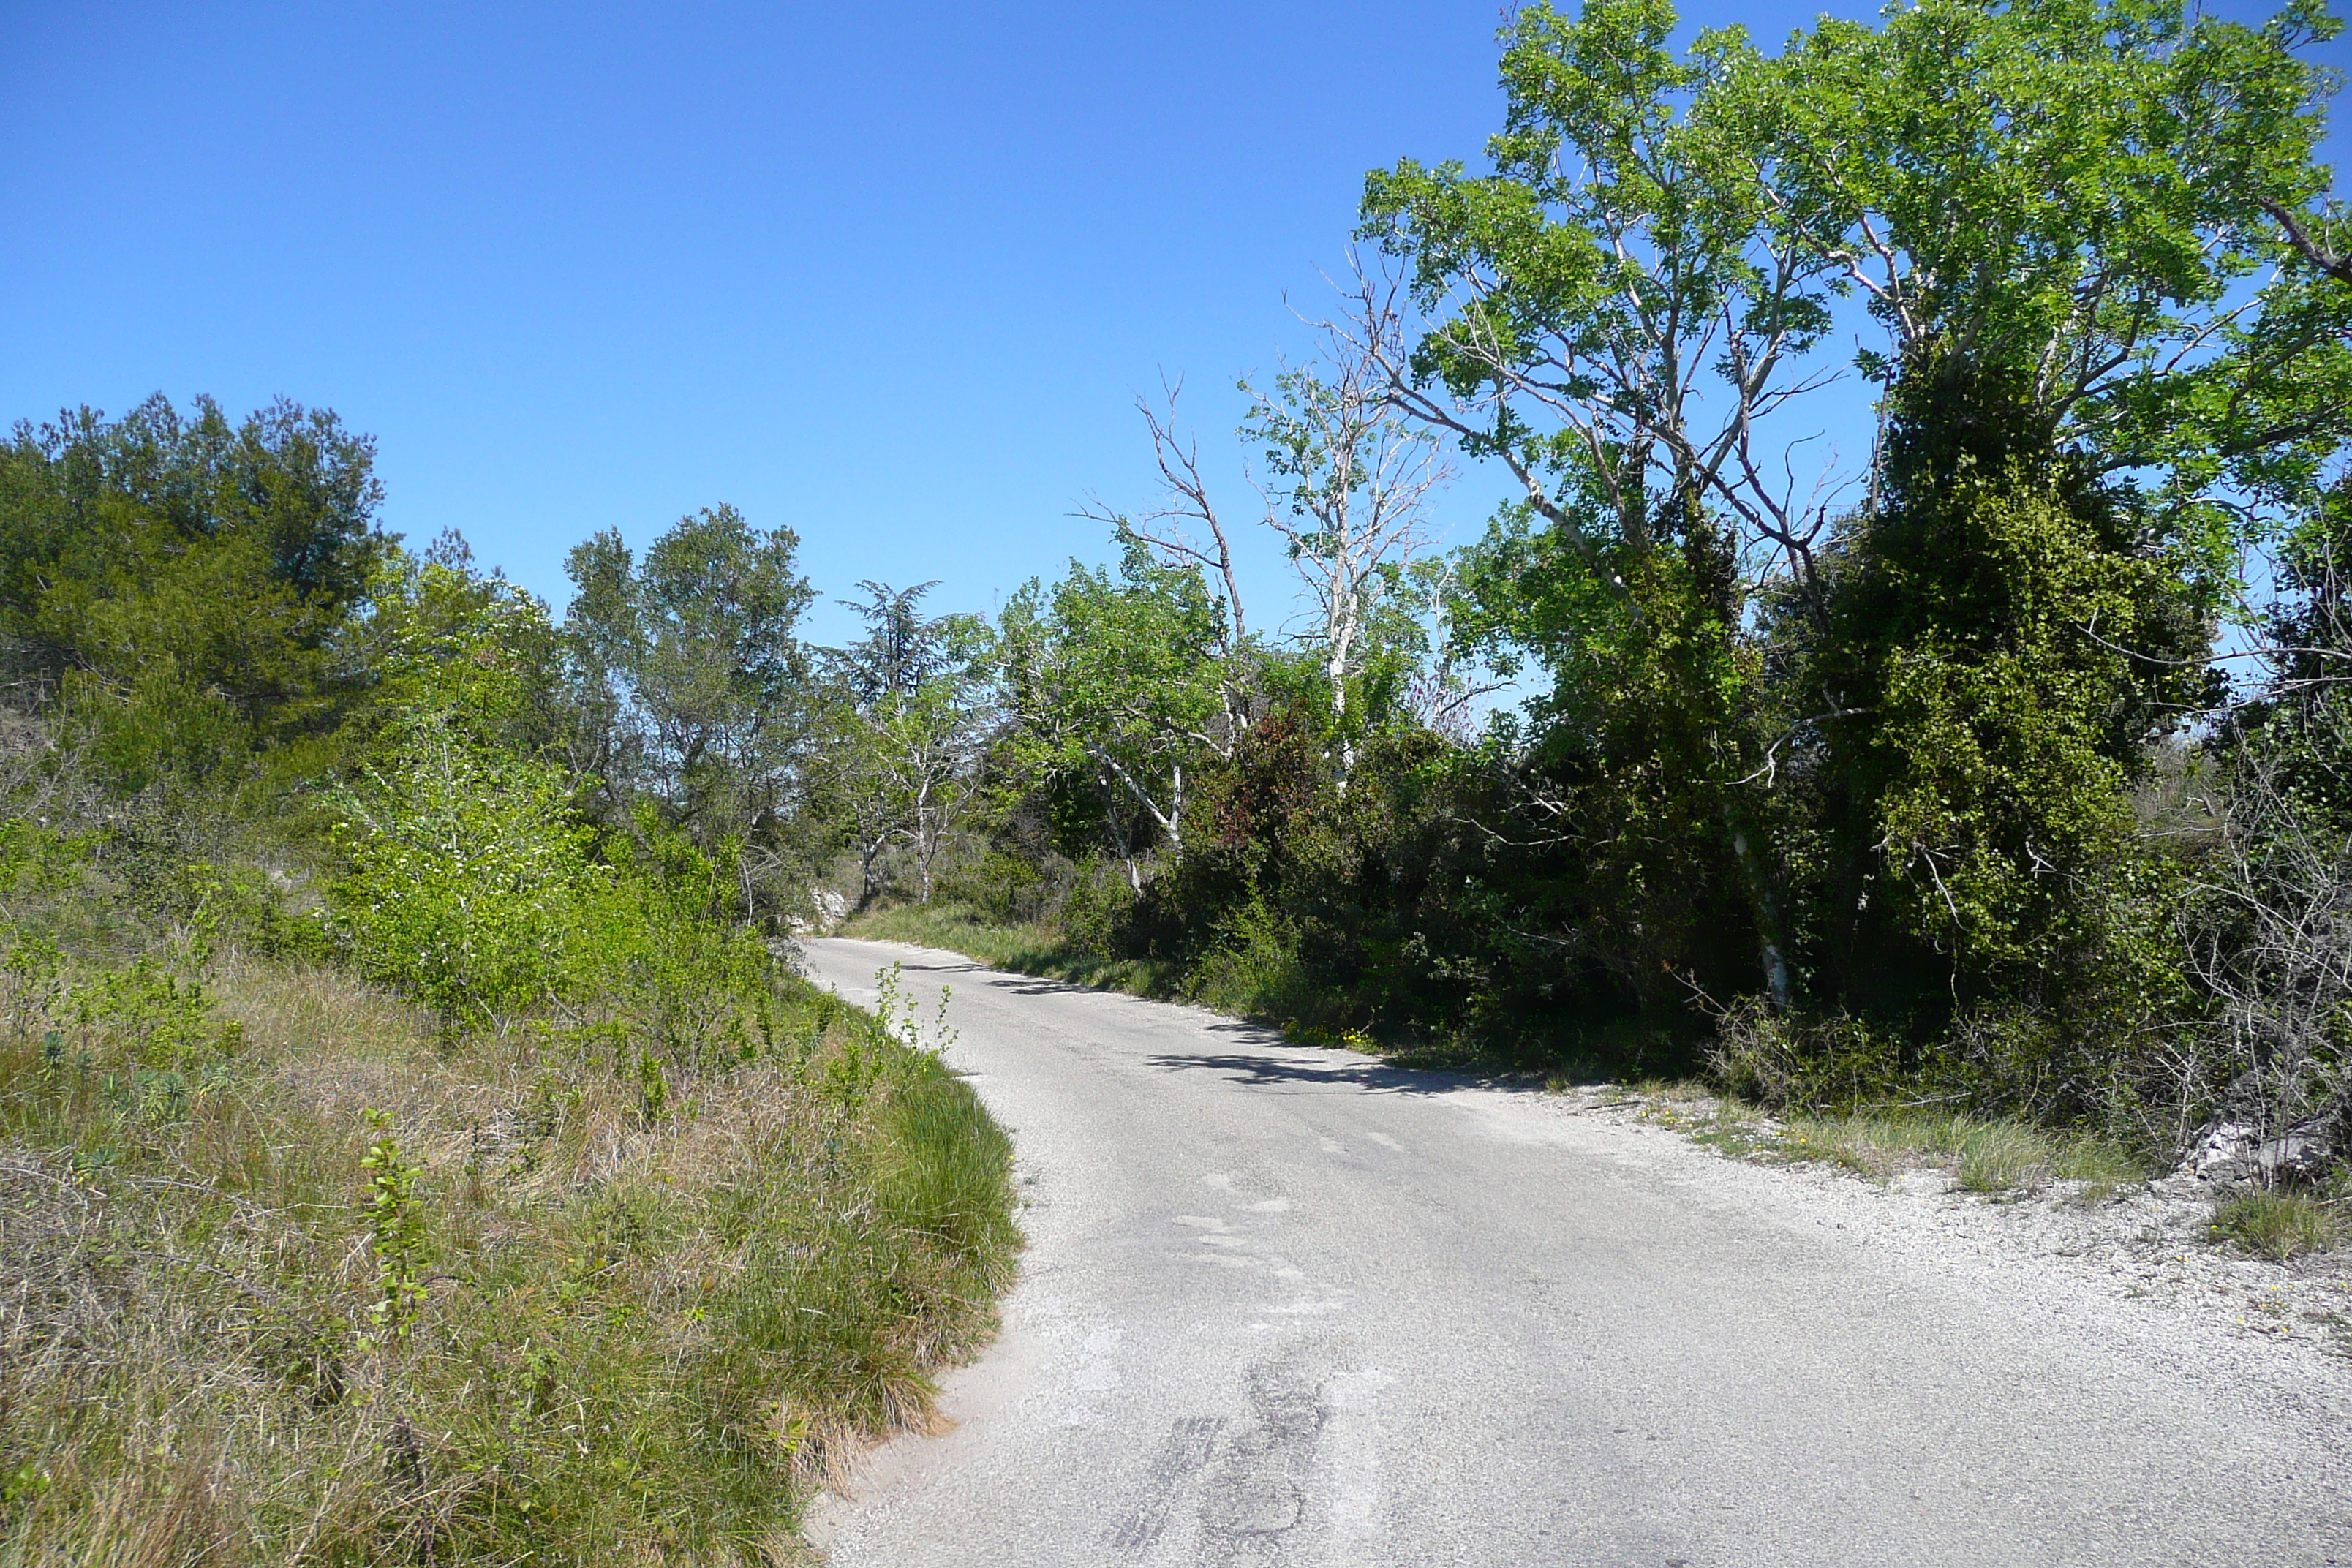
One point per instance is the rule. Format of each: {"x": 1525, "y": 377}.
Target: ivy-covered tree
{"x": 2056, "y": 215}
{"x": 2058, "y": 220}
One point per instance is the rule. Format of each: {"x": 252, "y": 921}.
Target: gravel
{"x": 2140, "y": 1262}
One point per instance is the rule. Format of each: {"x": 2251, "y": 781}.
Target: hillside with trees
{"x": 413, "y": 1147}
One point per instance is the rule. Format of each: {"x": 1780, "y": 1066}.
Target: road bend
{"x": 1290, "y": 1306}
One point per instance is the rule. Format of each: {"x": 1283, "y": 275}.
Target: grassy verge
{"x": 1985, "y": 1155}
{"x": 2280, "y": 1225}
{"x": 1021, "y": 950}
{"x": 1238, "y": 989}
{"x": 531, "y": 1310}
{"x": 1990, "y": 1156}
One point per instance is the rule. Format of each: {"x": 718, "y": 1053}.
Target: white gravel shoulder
{"x": 2136, "y": 1266}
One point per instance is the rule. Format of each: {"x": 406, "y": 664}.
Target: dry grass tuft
{"x": 1986, "y": 1156}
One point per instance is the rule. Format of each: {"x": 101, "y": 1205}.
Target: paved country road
{"x": 1290, "y": 1306}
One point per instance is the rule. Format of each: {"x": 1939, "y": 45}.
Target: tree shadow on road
{"x": 1320, "y": 1068}
{"x": 1287, "y": 1061}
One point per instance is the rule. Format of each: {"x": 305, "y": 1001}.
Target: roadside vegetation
{"x": 1997, "y": 764}
{"x": 314, "y": 1288}
{"x": 1038, "y": 948}
{"x": 2280, "y": 1225}
{"x": 415, "y": 1144}
{"x": 1997, "y": 1157}
{"x": 412, "y": 1148}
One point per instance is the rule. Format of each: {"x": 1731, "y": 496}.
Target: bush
{"x": 1093, "y": 913}
{"x": 1774, "y": 1059}
{"x": 1004, "y": 889}
{"x": 468, "y": 883}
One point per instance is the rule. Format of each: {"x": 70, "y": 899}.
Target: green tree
{"x": 910, "y": 724}
{"x": 185, "y": 581}
{"x": 2070, "y": 199}
{"x": 467, "y": 879}
{"x": 1612, "y": 317}
{"x": 439, "y": 635}
{"x": 689, "y": 679}
{"x": 1114, "y": 681}
{"x": 2056, "y": 215}
{"x": 2053, "y": 215}
{"x": 2003, "y": 646}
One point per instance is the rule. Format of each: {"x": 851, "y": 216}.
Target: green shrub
{"x": 1092, "y": 919}
{"x": 1004, "y": 889}
{"x": 469, "y": 881}
{"x": 1256, "y": 970}
{"x": 1772, "y": 1058}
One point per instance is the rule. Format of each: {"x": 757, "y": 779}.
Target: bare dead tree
{"x": 1444, "y": 693}
{"x": 1349, "y": 478}
{"x": 1168, "y": 532}
{"x": 1184, "y": 504}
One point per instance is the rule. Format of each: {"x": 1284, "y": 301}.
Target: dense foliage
{"x": 1917, "y": 772}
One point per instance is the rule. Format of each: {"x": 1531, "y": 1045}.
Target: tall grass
{"x": 2280, "y": 1225}
{"x": 653, "y": 1314}
{"x": 1986, "y": 1154}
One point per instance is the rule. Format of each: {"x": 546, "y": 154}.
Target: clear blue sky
{"x": 891, "y": 275}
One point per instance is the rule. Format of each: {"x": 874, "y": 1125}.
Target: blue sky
{"x": 891, "y": 276}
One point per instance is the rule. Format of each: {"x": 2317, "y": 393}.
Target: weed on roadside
{"x": 2280, "y": 1225}
{"x": 1987, "y": 1156}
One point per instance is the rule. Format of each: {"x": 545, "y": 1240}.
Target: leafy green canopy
{"x": 690, "y": 677}
{"x": 2104, "y": 372}
{"x": 1625, "y": 308}
{"x": 1117, "y": 684}
{"x": 2002, "y": 646}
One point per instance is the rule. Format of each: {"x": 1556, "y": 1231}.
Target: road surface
{"x": 1291, "y": 1306}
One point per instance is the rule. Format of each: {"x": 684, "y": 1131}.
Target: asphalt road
{"x": 1289, "y": 1306}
